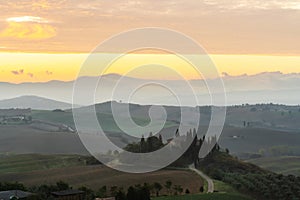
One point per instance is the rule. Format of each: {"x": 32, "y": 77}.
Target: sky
{"x": 43, "y": 40}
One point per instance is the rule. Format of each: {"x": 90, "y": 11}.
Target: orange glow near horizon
{"x": 43, "y": 67}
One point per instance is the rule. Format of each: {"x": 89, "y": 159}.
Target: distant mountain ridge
{"x": 33, "y": 102}
{"x": 266, "y": 87}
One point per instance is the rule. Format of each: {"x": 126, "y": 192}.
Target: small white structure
{"x": 14, "y": 114}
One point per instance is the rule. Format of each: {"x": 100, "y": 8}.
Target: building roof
{"x": 67, "y": 192}
{"x": 6, "y": 195}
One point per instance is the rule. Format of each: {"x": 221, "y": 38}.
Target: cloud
{"x": 255, "y": 4}
{"x": 33, "y": 5}
{"x": 16, "y": 72}
{"x": 222, "y": 26}
{"x": 28, "y": 30}
{"x": 21, "y": 72}
{"x": 30, "y": 75}
{"x": 27, "y": 19}
{"x": 49, "y": 73}
{"x": 225, "y": 74}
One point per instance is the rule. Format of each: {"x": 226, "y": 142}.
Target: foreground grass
{"x": 214, "y": 196}
{"x": 224, "y": 187}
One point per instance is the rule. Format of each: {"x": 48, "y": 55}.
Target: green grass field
{"x": 214, "y": 196}
{"x": 285, "y": 164}
{"x": 224, "y": 187}
{"x": 54, "y": 117}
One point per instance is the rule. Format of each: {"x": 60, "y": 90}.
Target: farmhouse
{"x": 14, "y": 115}
{"x": 15, "y": 194}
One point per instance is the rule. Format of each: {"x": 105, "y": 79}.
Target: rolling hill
{"x": 265, "y": 122}
{"x": 282, "y": 164}
{"x": 33, "y": 102}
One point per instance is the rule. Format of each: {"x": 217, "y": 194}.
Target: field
{"x": 224, "y": 187}
{"x": 23, "y": 139}
{"x": 285, "y": 164}
{"x": 214, "y": 196}
{"x": 268, "y": 121}
{"x": 54, "y": 117}
{"x": 270, "y": 117}
{"x": 252, "y": 140}
{"x": 71, "y": 169}
{"x": 106, "y": 120}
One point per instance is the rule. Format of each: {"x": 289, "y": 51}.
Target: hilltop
{"x": 33, "y": 102}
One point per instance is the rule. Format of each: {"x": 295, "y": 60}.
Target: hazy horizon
{"x": 267, "y": 87}
{"x": 43, "y": 40}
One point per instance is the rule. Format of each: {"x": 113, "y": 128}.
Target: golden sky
{"x": 42, "y": 40}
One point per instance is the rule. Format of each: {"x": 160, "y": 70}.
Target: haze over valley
{"x": 267, "y": 87}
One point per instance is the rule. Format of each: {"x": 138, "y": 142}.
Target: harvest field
{"x": 39, "y": 169}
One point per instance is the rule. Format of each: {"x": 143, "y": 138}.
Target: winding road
{"x": 210, "y": 183}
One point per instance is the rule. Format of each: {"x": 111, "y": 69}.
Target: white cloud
{"x": 27, "y": 19}
{"x": 255, "y": 4}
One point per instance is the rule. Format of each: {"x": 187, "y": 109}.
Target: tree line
{"x": 134, "y": 192}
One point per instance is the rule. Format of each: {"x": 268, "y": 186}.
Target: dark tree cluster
{"x": 11, "y": 186}
{"x": 44, "y": 191}
{"x": 152, "y": 143}
{"x": 190, "y": 142}
{"x": 137, "y": 192}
